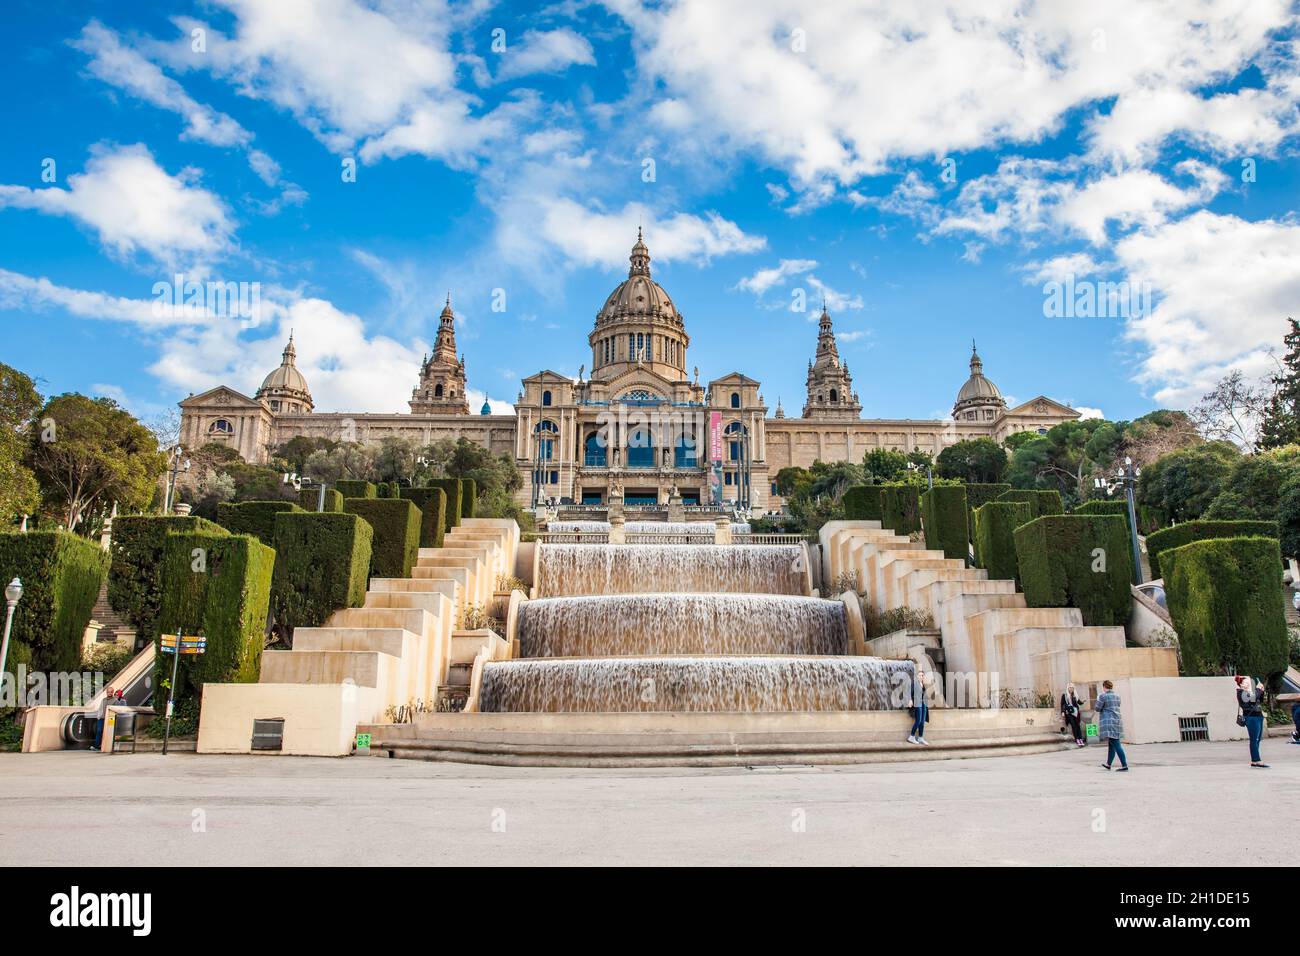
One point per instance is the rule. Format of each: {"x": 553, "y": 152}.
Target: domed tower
{"x": 285, "y": 389}
{"x": 442, "y": 374}
{"x": 830, "y": 386}
{"x": 979, "y": 399}
{"x": 638, "y": 326}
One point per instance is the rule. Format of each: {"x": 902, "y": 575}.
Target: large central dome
{"x": 638, "y": 325}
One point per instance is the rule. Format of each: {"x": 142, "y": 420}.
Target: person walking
{"x": 1250, "y": 698}
{"x": 1072, "y": 711}
{"x": 919, "y": 711}
{"x": 1295, "y": 719}
{"x": 101, "y": 714}
{"x": 1112, "y": 726}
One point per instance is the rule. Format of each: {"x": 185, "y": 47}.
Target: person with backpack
{"x": 1250, "y": 698}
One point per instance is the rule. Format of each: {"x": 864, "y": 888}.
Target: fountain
{"x": 644, "y": 527}
{"x": 566, "y": 570}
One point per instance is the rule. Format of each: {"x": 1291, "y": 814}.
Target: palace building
{"x": 641, "y": 421}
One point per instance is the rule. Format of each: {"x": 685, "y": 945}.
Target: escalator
{"x": 135, "y": 680}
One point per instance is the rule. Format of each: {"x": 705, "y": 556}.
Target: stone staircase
{"x": 112, "y": 626}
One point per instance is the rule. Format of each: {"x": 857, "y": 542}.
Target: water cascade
{"x": 574, "y": 569}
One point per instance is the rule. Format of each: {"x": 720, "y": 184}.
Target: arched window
{"x": 735, "y": 399}
{"x": 734, "y": 432}
{"x": 547, "y": 433}
{"x": 221, "y": 427}
{"x": 834, "y": 396}
{"x": 640, "y": 448}
{"x": 546, "y": 398}
{"x": 594, "y": 453}
{"x": 437, "y": 390}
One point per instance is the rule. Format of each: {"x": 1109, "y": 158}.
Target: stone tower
{"x": 442, "y": 374}
{"x": 830, "y": 387}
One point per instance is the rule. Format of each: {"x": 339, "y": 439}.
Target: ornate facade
{"x": 641, "y": 421}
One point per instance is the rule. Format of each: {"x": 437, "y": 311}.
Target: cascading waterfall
{"x": 575, "y": 569}
{"x": 627, "y": 625}
{"x": 644, "y": 527}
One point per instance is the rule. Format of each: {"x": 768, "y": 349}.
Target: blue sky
{"x": 507, "y": 147}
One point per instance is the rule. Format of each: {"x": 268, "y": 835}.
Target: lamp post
{"x": 929, "y": 472}
{"x": 1126, "y": 477}
{"x": 13, "y": 593}
{"x": 291, "y": 478}
{"x": 178, "y": 452}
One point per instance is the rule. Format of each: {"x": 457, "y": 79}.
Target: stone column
{"x": 722, "y": 531}
{"x": 676, "y": 511}
{"x": 617, "y": 531}
{"x": 615, "y": 508}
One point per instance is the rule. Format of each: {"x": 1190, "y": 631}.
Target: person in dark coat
{"x": 920, "y": 710}
{"x": 1250, "y": 698}
{"x": 1072, "y": 712}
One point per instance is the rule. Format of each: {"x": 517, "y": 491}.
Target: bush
{"x": 1042, "y": 502}
{"x": 978, "y": 494}
{"x": 1078, "y": 561}
{"x": 396, "y": 543}
{"x": 862, "y": 502}
{"x": 1225, "y": 598}
{"x": 225, "y": 598}
{"x": 432, "y": 503}
{"x": 468, "y": 497}
{"x": 61, "y": 575}
{"x": 1167, "y": 538}
{"x": 309, "y": 500}
{"x": 452, "y": 488}
{"x": 356, "y": 489}
{"x": 322, "y": 564}
{"x": 995, "y": 537}
{"x": 253, "y": 517}
{"x": 1099, "y": 506}
{"x": 135, "y": 578}
{"x": 947, "y": 527}
{"x": 900, "y": 508}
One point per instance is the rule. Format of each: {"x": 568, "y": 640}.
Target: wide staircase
{"x": 112, "y": 626}
{"x": 398, "y": 650}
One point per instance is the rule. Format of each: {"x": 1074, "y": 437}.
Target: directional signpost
{"x": 176, "y": 645}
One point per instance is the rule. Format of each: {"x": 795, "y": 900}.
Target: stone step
{"x": 1006, "y": 620}
{"x": 386, "y": 640}
{"x": 415, "y": 620}
{"x": 435, "y": 602}
{"x": 363, "y": 668}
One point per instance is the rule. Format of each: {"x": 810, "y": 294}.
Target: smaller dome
{"x": 486, "y": 409}
{"x": 286, "y": 381}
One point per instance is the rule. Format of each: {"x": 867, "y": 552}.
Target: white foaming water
{"x": 694, "y": 684}
{"x": 645, "y": 527}
{"x": 575, "y": 569}
{"x": 624, "y": 625}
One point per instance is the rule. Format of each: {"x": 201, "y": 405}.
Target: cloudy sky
{"x": 924, "y": 167}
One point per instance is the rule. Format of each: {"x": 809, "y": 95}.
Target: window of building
{"x": 734, "y": 432}
{"x": 685, "y": 455}
{"x": 221, "y": 427}
{"x": 547, "y": 433}
{"x": 546, "y": 398}
{"x": 437, "y": 390}
{"x": 640, "y": 448}
{"x": 735, "y": 399}
{"x": 835, "y": 397}
{"x": 594, "y": 453}
{"x": 555, "y": 477}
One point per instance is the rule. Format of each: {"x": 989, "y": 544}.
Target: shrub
{"x": 432, "y": 503}
{"x": 452, "y": 488}
{"x": 900, "y": 508}
{"x": 61, "y": 575}
{"x": 978, "y": 494}
{"x": 943, "y": 513}
{"x": 862, "y": 502}
{"x": 356, "y": 489}
{"x": 1042, "y": 502}
{"x": 225, "y": 598}
{"x": 309, "y": 500}
{"x": 995, "y": 537}
{"x": 396, "y": 542}
{"x": 135, "y": 578}
{"x": 1099, "y": 506}
{"x": 253, "y": 517}
{"x": 468, "y": 497}
{"x": 1078, "y": 561}
{"x": 1160, "y": 541}
{"x": 1225, "y": 599}
{"x": 322, "y": 564}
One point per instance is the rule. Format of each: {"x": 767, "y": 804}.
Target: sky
{"x": 929, "y": 170}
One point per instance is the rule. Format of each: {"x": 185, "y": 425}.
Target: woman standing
{"x": 1112, "y": 726}
{"x": 1072, "y": 711}
{"x": 1250, "y": 697}
{"x": 919, "y": 710}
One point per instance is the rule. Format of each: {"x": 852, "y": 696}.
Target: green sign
{"x": 1090, "y": 729}
{"x": 363, "y": 741}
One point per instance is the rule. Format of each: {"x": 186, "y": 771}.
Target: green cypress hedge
{"x": 452, "y": 488}
{"x": 995, "y": 537}
{"x": 396, "y": 543}
{"x": 1225, "y": 598}
{"x": 900, "y": 508}
{"x": 978, "y": 494}
{"x": 218, "y": 586}
{"x": 432, "y": 503}
{"x": 253, "y": 517}
{"x": 862, "y": 502}
{"x": 468, "y": 497}
{"x": 61, "y": 575}
{"x": 322, "y": 565}
{"x": 135, "y": 588}
{"x": 1167, "y": 538}
{"x": 1042, "y": 502}
{"x": 1099, "y": 506}
{"x": 309, "y": 500}
{"x": 1056, "y": 556}
{"x": 356, "y": 489}
{"x": 947, "y": 526}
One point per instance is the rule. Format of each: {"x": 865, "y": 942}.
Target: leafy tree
{"x": 1180, "y": 486}
{"x": 90, "y": 451}
{"x": 398, "y": 459}
{"x": 1288, "y": 517}
{"x": 832, "y": 479}
{"x": 1014, "y": 441}
{"x": 885, "y": 464}
{"x": 19, "y": 403}
{"x": 1281, "y": 424}
{"x": 1252, "y": 489}
{"x": 979, "y": 460}
{"x": 349, "y": 460}
{"x": 295, "y": 452}
{"x": 791, "y": 479}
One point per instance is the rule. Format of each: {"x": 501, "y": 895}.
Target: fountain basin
{"x": 577, "y": 569}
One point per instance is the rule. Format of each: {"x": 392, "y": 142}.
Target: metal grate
{"x": 268, "y": 734}
{"x": 1194, "y": 728}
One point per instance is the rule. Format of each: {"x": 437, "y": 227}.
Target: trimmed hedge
{"x": 452, "y": 488}
{"x": 396, "y": 543}
{"x": 218, "y": 586}
{"x": 468, "y": 497}
{"x": 1099, "y": 506}
{"x": 356, "y": 489}
{"x": 253, "y": 517}
{"x": 896, "y": 507}
{"x": 309, "y": 500}
{"x": 135, "y": 588}
{"x": 1042, "y": 502}
{"x": 947, "y": 526}
{"x": 1056, "y": 555}
{"x": 979, "y": 494}
{"x": 861, "y": 502}
{"x": 61, "y": 575}
{"x": 322, "y": 565}
{"x": 1189, "y": 531}
{"x": 1225, "y": 598}
{"x": 995, "y": 537}
{"x": 432, "y": 503}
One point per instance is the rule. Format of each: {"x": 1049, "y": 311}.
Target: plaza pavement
{"x": 1183, "y": 804}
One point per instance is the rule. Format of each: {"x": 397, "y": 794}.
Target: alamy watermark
{"x": 215, "y": 298}
{"x": 1072, "y": 298}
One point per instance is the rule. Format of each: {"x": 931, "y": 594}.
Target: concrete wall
{"x": 1151, "y": 707}
{"x": 319, "y": 719}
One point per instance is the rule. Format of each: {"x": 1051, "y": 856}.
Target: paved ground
{"x": 1183, "y": 804}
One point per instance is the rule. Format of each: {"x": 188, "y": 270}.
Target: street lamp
{"x": 178, "y": 453}
{"x": 13, "y": 593}
{"x": 291, "y": 478}
{"x": 1126, "y": 477}
{"x": 929, "y": 472}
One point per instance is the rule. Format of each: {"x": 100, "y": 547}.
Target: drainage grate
{"x": 268, "y": 734}
{"x": 1194, "y": 728}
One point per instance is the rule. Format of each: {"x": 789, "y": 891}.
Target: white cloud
{"x": 1134, "y": 198}
{"x": 836, "y": 301}
{"x": 765, "y": 279}
{"x": 1086, "y": 412}
{"x": 548, "y": 51}
{"x": 134, "y": 205}
{"x": 29, "y": 294}
{"x": 1057, "y": 268}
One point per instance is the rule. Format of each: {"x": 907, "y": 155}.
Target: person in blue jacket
{"x": 1111, "y": 726}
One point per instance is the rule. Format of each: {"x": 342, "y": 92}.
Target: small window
{"x": 221, "y": 427}
{"x": 555, "y": 477}
{"x": 835, "y": 397}
{"x": 735, "y": 399}
{"x": 437, "y": 390}
{"x": 546, "y": 398}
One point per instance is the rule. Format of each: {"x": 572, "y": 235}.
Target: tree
{"x": 1014, "y": 441}
{"x": 791, "y": 479}
{"x": 1181, "y": 485}
{"x": 1281, "y": 422}
{"x": 295, "y": 452}
{"x": 1252, "y": 489}
{"x": 349, "y": 460}
{"x": 832, "y": 479}
{"x": 978, "y": 460}
{"x": 19, "y": 403}
{"x": 885, "y": 464}
{"x": 86, "y": 451}
{"x": 1060, "y": 459}
{"x": 1231, "y": 411}
{"x": 398, "y": 459}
